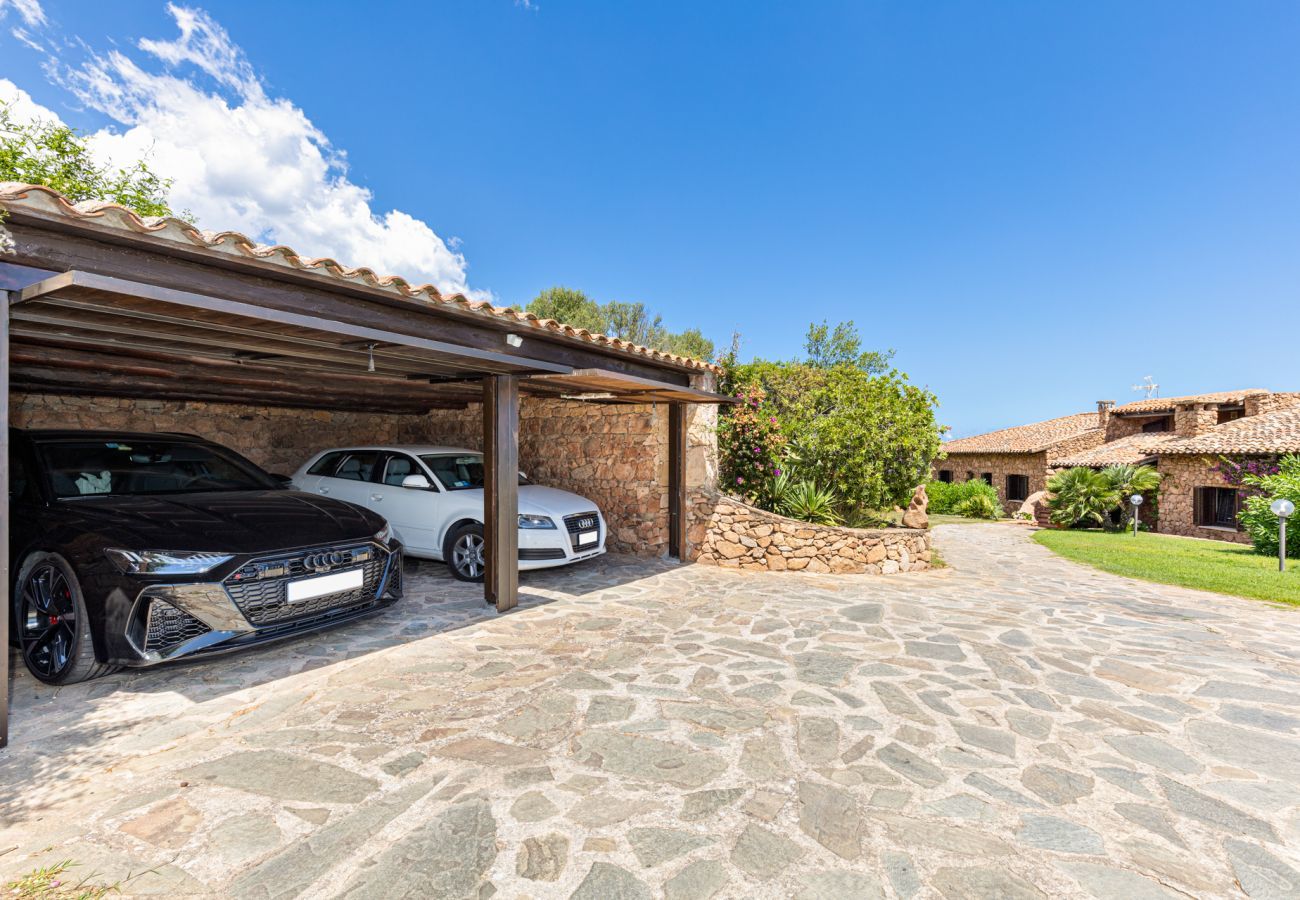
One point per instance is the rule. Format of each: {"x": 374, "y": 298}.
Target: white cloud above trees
{"x": 239, "y": 158}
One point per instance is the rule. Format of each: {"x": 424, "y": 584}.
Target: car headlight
{"x": 385, "y": 534}
{"x": 528, "y": 521}
{"x": 165, "y": 562}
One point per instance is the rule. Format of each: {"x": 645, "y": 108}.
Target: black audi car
{"x": 135, "y": 549}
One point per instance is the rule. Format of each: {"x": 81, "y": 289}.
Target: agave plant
{"x": 1081, "y": 496}
{"x": 809, "y": 502}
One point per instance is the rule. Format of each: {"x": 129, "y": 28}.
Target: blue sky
{"x": 1034, "y": 204}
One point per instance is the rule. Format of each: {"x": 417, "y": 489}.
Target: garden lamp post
{"x": 1282, "y": 508}
{"x": 1136, "y": 500}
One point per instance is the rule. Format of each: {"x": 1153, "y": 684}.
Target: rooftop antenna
{"x": 1148, "y": 385}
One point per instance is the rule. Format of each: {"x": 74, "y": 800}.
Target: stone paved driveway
{"x": 1016, "y": 726}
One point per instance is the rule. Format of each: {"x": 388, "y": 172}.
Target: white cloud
{"x": 28, "y": 10}
{"x": 243, "y": 160}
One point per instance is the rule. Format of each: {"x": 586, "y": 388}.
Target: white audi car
{"x": 433, "y": 499}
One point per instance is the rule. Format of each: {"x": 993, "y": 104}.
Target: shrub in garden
{"x": 977, "y": 498}
{"x": 835, "y": 418}
{"x": 1128, "y": 480}
{"x": 1258, "y": 519}
{"x": 1081, "y": 496}
{"x": 750, "y": 446}
{"x": 809, "y": 502}
{"x": 980, "y": 505}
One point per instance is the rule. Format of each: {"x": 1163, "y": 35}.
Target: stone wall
{"x": 967, "y": 465}
{"x": 616, "y": 455}
{"x": 1182, "y": 475}
{"x": 1125, "y": 426}
{"x": 737, "y": 535}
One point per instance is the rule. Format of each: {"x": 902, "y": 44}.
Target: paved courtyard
{"x": 1016, "y": 726}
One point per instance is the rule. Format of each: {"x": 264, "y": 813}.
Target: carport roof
{"x": 103, "y": 301}
{"x": 41, "y": 201}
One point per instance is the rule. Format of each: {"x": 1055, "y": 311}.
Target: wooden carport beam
{"x": 6, "y": 612}
{"x": 677, "y": 507}
{"x": 501, "y": 490}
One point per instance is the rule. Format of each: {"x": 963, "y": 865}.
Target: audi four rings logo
{"x": 586, "y": 523}
{"x": 323, "y": 562}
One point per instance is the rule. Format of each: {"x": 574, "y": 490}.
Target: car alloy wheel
{"x": 467, "y": 556}
{"x": 47, "y": 622}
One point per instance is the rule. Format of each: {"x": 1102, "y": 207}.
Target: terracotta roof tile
{"x": 1160, "y": 404}
{"x": 1122, "y": 451}
{"x": 1026, "y": 438}
{"x": 112, "y": 217}
{"x": 1267, "y": 433}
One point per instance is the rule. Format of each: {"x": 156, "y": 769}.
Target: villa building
{"x": 1186, "y": 438}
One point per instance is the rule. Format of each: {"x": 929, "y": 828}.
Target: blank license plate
{"x": 588, "y": 537}
{"x": 307, "y": 588}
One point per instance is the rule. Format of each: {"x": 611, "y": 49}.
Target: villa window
{"x": 1017, "y": 487}
{"x": 1230, "y": 414}
{"x": 1156, "y": 425}
{"x": 945, "y": 475}
{"x": 987, "y": 478}
{"x": 1217, "y": 507}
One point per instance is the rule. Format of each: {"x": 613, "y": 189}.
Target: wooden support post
{"x": 677, "y": 511}
{"x": 6, "y": 610}
{"x": 501, "y": 490}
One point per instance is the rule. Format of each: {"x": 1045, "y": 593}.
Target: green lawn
{"x": 1207, "y": 565}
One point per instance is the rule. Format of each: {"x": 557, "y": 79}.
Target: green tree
{"x": 690, "y": 342}
{"x": 59, "y": 157}
{"x": 570, "y": 307}
{"x": 826, "y": 347}
{"x": 626, "y": 321}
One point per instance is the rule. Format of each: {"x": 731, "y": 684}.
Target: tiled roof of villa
{"x": 1026, "y": 438}
{"x": 43, "y": 201}
{"x": 1164, "y": 404}
{"x": 1129, "y": 450}
{"x": 1273, "y": 432}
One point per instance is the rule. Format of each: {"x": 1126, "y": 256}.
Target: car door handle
{"x": 378, "y": 498}
{"x": 322, "y": 490}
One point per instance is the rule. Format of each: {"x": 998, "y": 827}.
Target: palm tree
{"x": 1081, "y": 495}
{"x": 1128, "y": 480}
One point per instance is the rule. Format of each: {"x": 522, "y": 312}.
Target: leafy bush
{"x": 1259, "y": 520}
{"x": 979, "y": 498}
{"x": 1081, "y": 496}
{"x": 750, "y": 447}
{"x": 872, "y": 436}
{"x": 980, "y": 506}
{"x": 809, "y": 502}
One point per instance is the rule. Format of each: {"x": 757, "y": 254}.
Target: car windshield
{"x": 128, "y": 468}
{"x": 459, "y": 472}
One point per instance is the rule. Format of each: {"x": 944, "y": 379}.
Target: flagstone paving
{"x": 1015, "y": 726}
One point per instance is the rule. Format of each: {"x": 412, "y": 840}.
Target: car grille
{"x": 168, "y": 626}
{"x": 530, "y": 553}
{"x": 580, "y": 522}
{"x": 260, "y": 589}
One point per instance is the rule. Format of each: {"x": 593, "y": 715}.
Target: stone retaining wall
{"x": 730, "y": 532}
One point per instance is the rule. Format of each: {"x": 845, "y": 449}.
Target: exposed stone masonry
{"x": 735, "y": 534}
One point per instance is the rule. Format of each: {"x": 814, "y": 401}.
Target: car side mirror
{"x": 416, "y": 483}
{"x": 283, "y": 480}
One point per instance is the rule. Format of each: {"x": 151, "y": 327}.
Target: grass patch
{"x": 1187, "y": 562}
{"x": 944, "y": 519}
{"x": 56, "y": 883}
